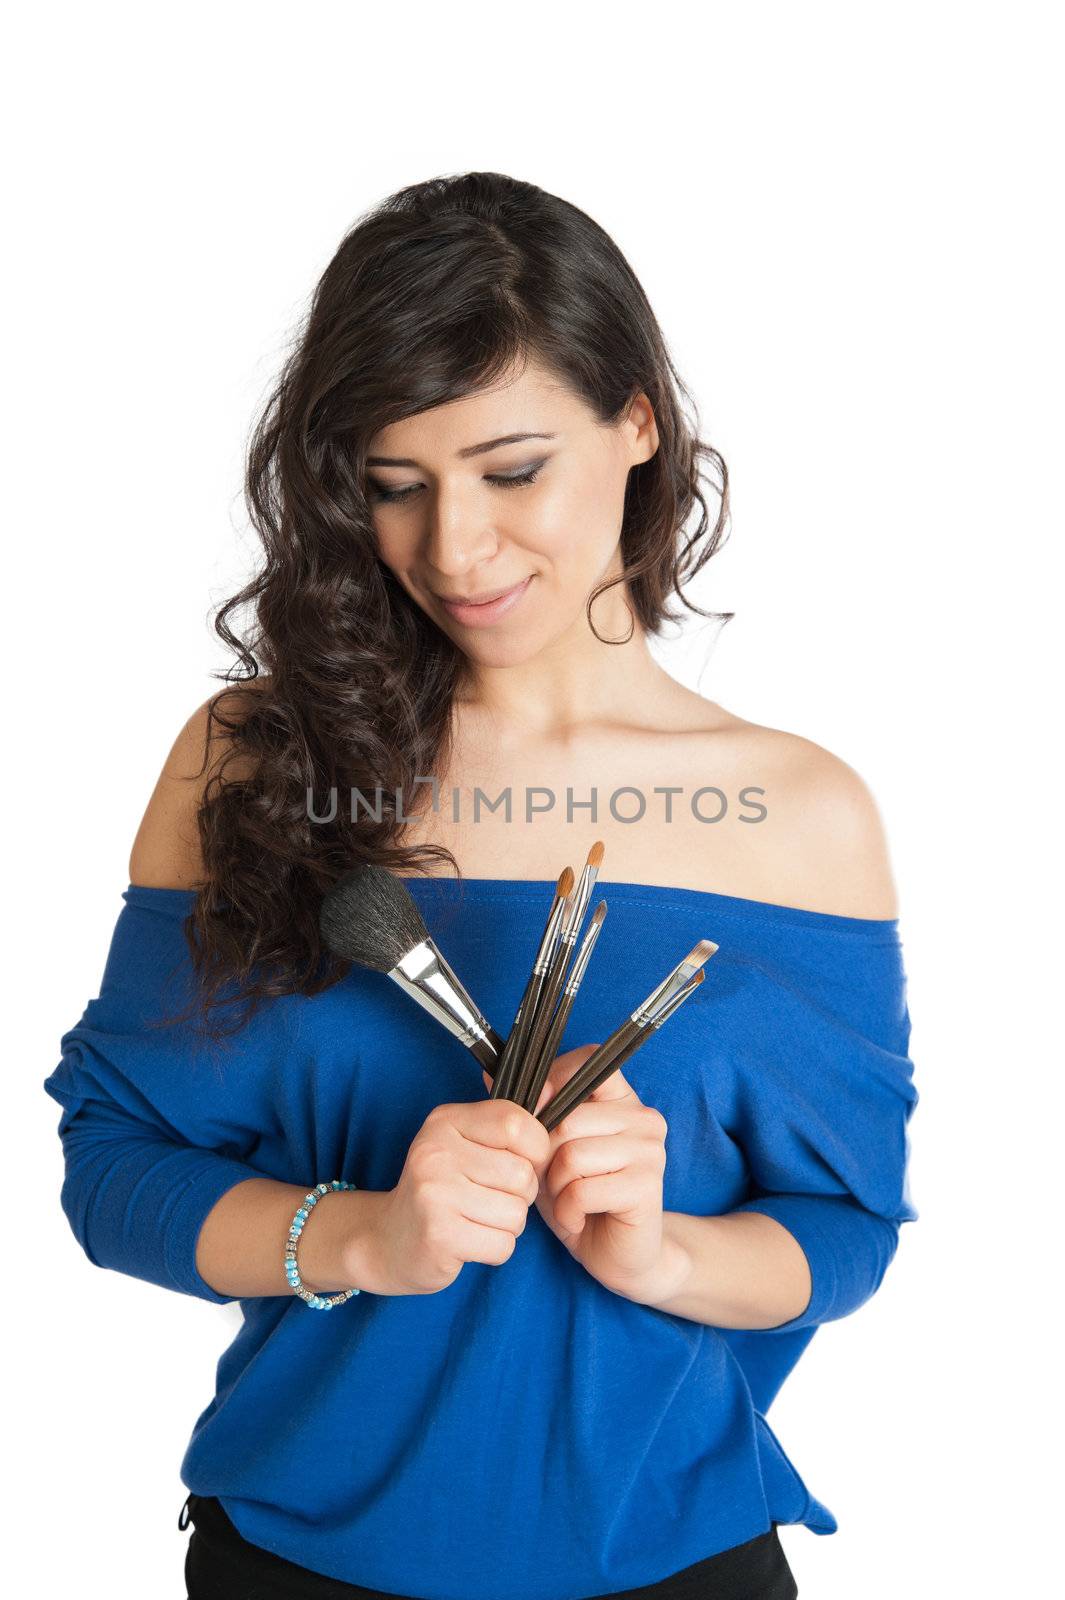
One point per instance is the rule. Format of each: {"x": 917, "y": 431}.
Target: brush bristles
{"x": 369, "y": 917}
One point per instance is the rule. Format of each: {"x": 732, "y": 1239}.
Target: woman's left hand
{"x": 601, "y": 1186}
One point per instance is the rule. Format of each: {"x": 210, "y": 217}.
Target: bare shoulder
{"x": 166, "y": 851}
{"x": 831, "y": 827}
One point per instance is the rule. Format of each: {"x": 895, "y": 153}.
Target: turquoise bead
{"x": 315, "y": 1302}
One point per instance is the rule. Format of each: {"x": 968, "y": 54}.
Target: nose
{"x": 457, "y": 538}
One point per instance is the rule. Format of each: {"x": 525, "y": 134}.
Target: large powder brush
{"x": 369, "y": 917}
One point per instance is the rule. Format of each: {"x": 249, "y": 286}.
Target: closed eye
{"x": 390, "y": 496}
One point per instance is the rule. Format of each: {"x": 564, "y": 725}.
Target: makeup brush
{"x": 558, "y": 1023}
{"x": 623, "y": 1055}
{"x": 541, "y": 1022}
{"x": 524, "y": 1015}
{"x": 605, "y": 1060}
{"x": 369, "y": 917}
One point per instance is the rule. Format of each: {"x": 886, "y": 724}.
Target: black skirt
{"x": 221, "y": 1564}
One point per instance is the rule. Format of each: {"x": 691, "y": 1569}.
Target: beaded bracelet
{"x": 318, "y": 1302}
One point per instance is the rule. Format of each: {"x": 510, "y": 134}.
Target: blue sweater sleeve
{"x": 822, "y": 1104}
{"x": 145, "y": 1159}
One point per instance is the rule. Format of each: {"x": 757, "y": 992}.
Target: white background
{"x": 845, "y": 218}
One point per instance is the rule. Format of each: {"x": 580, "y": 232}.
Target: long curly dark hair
{"x": 431, "y": 296}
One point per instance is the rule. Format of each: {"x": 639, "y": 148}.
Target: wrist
{"x": 336, "y": 1248}
{"x": 667, "y": 1277}
{"x": 363, "y": 1258}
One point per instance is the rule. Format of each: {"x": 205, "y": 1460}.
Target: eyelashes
{"x": 391, "y": 496}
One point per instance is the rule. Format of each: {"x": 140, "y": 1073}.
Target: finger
{"x": 615, "y": 1086}
{"x": 591, "y": 1158}
{"x": 501, "y": 1169}
{"x": 603, "y": 1116}
{"x": 621, "y": 1194}
{"x": 501, "y": 1124}
{"x": 569, "y": 1062}
{"x": 562, "y": 1069}
{"x": 560, "y": 1072}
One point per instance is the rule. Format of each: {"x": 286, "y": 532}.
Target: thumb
{"x": 562, "y": 1070}
{"x": 565, "y": 1066}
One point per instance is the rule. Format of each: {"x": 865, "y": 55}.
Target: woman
{"x": 553, "y": 1381}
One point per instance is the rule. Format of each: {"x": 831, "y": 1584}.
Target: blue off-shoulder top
{"x": 523, "y": 1431}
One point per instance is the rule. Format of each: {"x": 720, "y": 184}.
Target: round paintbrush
{"x": 525, "y": 1014}
{"x": 369, "y": 917}
{"x": 541, "y": 1016}
{"x": 552, "y": 1115}
{"x": 565, "y": 1005}
{"x": 540, "y": 1025}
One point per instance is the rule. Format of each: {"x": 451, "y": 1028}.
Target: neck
{"x": 574, "y": 682}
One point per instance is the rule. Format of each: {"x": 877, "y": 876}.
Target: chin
{"x": 502, "y": 649}
{"x": 498, "y": 652}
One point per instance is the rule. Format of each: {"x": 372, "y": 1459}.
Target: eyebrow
{"x": 461, "y": 455}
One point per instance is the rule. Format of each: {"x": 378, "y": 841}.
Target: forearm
{"x": 241, "y": 1246}
{"x": 740, "y": 1270}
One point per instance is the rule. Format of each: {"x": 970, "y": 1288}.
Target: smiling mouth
{"x": 479, "y": 599}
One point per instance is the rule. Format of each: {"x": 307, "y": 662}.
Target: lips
{"x": 479, "y": 599}
{"x": 486, "y": 611}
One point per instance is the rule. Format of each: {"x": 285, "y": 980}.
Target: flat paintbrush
{"x": 592, "y": 1073}
{"x": 623, "y": 1055}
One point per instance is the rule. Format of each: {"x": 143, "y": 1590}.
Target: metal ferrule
{"x": 425, "y": 974}
{"x": 665, "y": 992}
{"x": 584, "y": 954}
{"x": 671, "y": 1005}
{"x": 550, "y": 938}
{"x": 581, "y": 896}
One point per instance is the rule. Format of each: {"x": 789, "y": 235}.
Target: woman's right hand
{"x": 471, "y": 1174}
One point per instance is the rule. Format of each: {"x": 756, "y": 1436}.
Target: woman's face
{"x": 540, "y": 516}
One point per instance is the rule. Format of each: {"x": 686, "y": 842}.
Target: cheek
{"x": 575, "y": 528}
{"x": 393, "y": 546}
